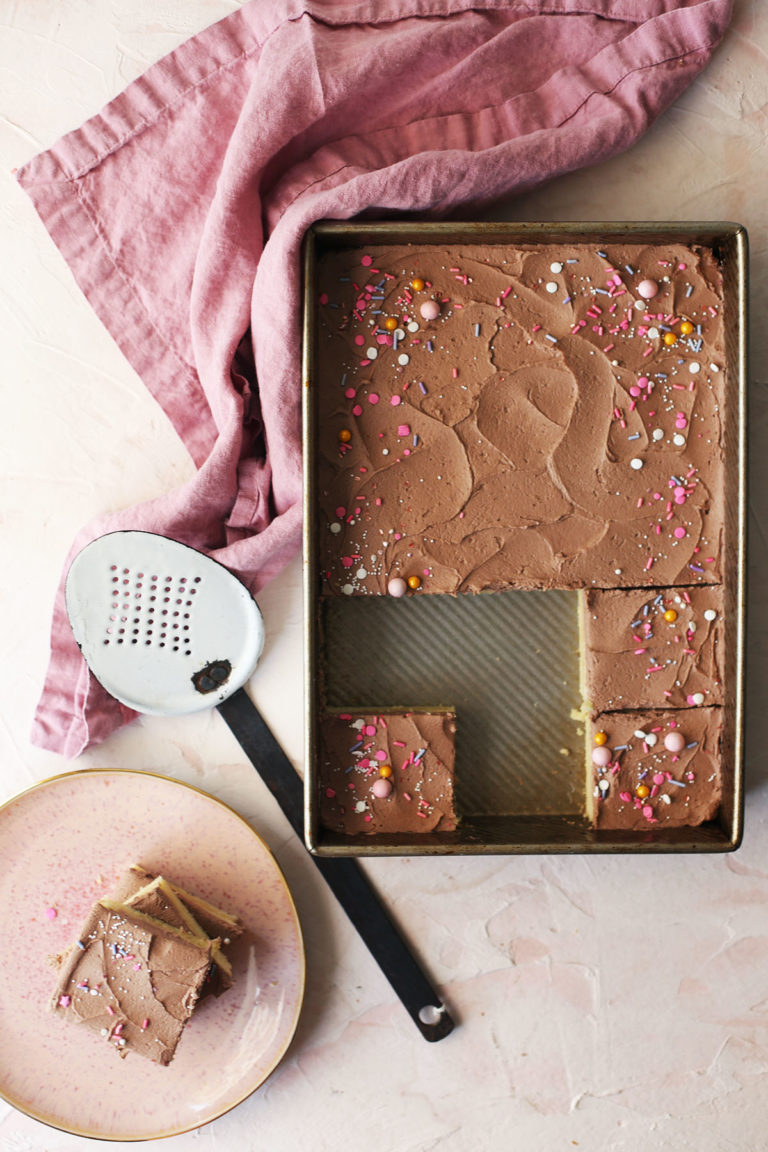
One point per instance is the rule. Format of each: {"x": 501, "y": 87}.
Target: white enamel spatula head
{"x": 165, "y": 629}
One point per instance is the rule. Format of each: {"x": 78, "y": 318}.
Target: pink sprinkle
{"x": 381, "y": 754}
{"x": 323, "y": 299}
{"x": 64, "y": 1001}
{"x": 679, "y": 533}
{"x": 357, "y": 410}
{"x": 395, "y": 401}
{"x": 367, "y": 261}
{"x": 51, "y": 913}
{"x": 369, "y": 730}
{"x": 110, "y": 1010}
{"x": 145, "y": 1023}
{"x": 367, "y": 817}
{"x": 647, "y": 811}
{"x": 403, "y": 430}
{"x": 625, "y": 796}
{"x": 373, "y": 398}
{"x": 455, "y": 373}
{"x": 649, "y": 564}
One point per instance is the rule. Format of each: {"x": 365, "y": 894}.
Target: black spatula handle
{"x": 346, "y": 879}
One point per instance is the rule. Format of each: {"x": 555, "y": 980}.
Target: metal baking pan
{"x": 509, "y": 662}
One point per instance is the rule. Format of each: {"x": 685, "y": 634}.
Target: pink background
{"x": 605, "y": 1004}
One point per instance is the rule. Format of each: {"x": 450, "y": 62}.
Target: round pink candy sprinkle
{"x": 369, "y": 730}
{"x": 382, "y": 338}
{"x": 679, "y": 491}
{"x": 359, "y": 340}
{"x": 367, "y": 261}
{"x": 659, "y": 778}
{"x": 397, "y": 586}
{"x": 647, "y": 811}
{"x": 634, "y": 391}
{"x": 373, "y": 398}
{"x": 430, "y": 310}
{"x": 350, "y": 393}
{"x": 679, "y": 533}
{"x": 680, "y": 499}
{"x": 602, "y": 756}
{"x": 51, "y": 913}
{"x": 330, "y": 793}
{"x": 340, "y": 511}
{"x": 381, "y": 788}
{"x": 403, "y": 430}
{"x": 647, "y": 289}
{"x": 381, "y": 755}
{"x": 395, "y": 401}
{"x": 674, "y": 741}
{"x": 357, "y": 410}
{"x": 642, "y": 381}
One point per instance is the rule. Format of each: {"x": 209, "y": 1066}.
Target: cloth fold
{"x": 181, "y": 209}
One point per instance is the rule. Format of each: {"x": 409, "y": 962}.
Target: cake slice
{"x": 647, "y": 649}
{"x": 133, "y": 979}
{"x": 387, "y": 772}
{"x": 656, "y": 768}
{"x": 159, "y": 898}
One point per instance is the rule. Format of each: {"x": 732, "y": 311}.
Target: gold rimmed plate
{"x": 63, "y": 844}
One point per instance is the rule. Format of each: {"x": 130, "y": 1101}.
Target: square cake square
{"x": 648, "y": 649}
{"x": 387, "y": 772}
{"x": 656, "y": 768}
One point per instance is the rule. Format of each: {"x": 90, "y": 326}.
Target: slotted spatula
{"x": 168, "y": 631}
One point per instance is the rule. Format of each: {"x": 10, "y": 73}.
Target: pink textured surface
{"x": 604, "y": 1006}
{"x": 181, "y": 207}
{"x": 104, "y": 822}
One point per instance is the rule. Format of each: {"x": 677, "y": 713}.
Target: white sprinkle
{"x": 335, "y": 528}
{"x": 556, "y": 267}
{"x": 714, "y": 368}
{"x": 651, "y": 739}
{"x": 361, "y": 574}
{"x": 698, "y": 697}
{"x": 636, "y": 463}
{"x": 400, "y": 333}
{"x": 403, "y": 359}
{"x": 551, "y": 286}
{"x": 360, "y": 806}
{"x": 617, "y": 571}
{"x": 678, "y": 440}
{"x": 658, "y": 434}
{"x": 710, "y": 614}
{"x": 371, "y": 353}
{"x": 413, "y": 326}
{"x": 640, "y": 735}
{"x": 653, "y": 333}
{"x": 347, "y": 589}
{"x": 603, "y": 785}
{"x": 665, "y": 798}
{"x": 694, "y": 367}
{"x": 639, "y": 305}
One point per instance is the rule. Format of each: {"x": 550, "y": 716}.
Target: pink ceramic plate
{"x": 63, "y": 844}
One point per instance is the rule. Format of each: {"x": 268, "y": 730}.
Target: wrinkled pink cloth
{"x": 181, "y": 209}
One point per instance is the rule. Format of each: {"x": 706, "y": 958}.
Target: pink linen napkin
{"x": 181, "y": 208}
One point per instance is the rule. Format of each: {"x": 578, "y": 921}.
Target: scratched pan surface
{"x": 509, "y": 662}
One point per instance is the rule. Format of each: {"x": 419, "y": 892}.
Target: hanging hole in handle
{"x": 430, "y": 1014}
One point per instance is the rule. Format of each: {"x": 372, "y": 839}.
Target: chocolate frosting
{"x": 122, "y": 973}
{"x": 419, "y": 749}
{"x": 492, "y": 447}
{"x": 635, "y": 658}
{"x": 683, "y": 788}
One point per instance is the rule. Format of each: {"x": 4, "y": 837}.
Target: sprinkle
{"x": 51, "y": 913}
{"x": 547, "y": 336}
{"x": 421, "y": 386}
{"x": 477, "y": 329}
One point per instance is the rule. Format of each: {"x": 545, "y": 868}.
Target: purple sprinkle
{"x": 421, "y": 385}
